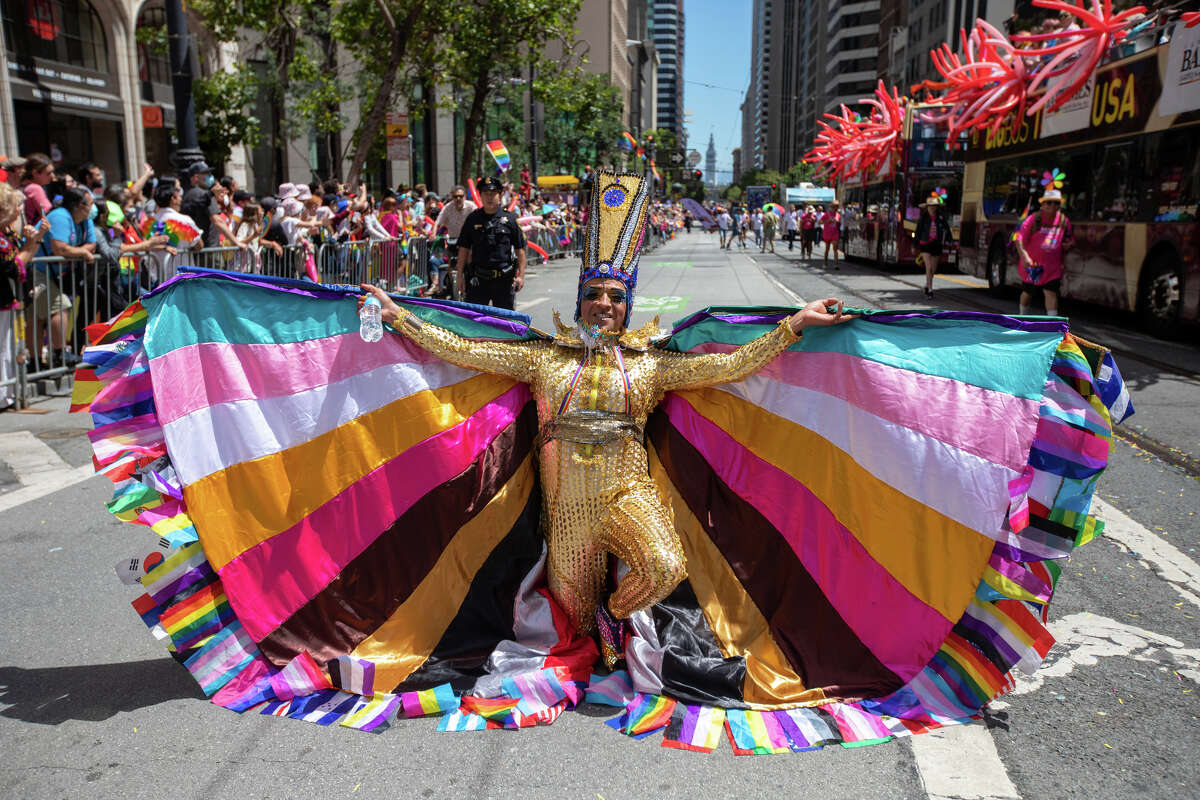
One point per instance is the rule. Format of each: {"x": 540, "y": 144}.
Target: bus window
{"x": 1000, "y": 188}
{"x": 1170, "y": 166}
{"x": 1114, "y": 196}
{"x": 1013, "y": 185}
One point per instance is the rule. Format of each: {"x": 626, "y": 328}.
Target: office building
{"x": 667, "y": 32}
{"x": 851, "y": 51}
{"x": 787, "y": 83}
{"x": 910, "y": 30}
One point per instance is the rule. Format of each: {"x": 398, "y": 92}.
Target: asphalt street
{"x": 92, "y": 706}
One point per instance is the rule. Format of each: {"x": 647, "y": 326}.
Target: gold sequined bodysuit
{"x": 599, "y": 498}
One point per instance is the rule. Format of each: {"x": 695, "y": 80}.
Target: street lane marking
{"x": 960, "y": 761}
{"x": 61, "y": 480}
{"x": 31, "y": 459}
{"x": 534, "y": 302}
{"x": 974, "y": 283}
{"x": 1181, "y": 572}
{"x": 1083, "y": 638}
{"x": 655, "y": 305}
{"x": 795, "y": 298}
{"x": 39, "y": 469}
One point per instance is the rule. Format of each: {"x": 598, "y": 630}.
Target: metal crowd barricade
{"x": 65, "y": 296}
{"x": 393, "y": 265}
{"x": 558, "y": 241}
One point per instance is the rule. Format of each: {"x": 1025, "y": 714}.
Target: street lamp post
{"x": 180, "y": 53}
{"x": 533, "y": 124}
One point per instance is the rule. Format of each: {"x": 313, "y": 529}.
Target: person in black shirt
{"x": 491, "y": 251}
{"x": 932, "y": 235}
{"x": 201, "y": 206}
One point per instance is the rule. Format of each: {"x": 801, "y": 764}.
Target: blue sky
{"x": 717, "y": 53}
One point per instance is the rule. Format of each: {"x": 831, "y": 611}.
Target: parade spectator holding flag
{"x": 500, "y": 154}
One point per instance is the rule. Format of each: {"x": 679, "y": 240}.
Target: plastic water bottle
{"x": 371, "y": 326}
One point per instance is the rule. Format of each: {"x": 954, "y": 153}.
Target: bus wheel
{"x": 1161, "y": 290}
{"x": 997, "y": 264}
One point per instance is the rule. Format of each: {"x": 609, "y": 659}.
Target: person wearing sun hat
{"x": 594, "y": 385}
{"x": 932, "y": 235}
{"x": 1042, "y": 241}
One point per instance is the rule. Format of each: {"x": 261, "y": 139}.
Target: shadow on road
{"x": 91, "y": 692}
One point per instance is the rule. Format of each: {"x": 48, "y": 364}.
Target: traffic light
{"x": 697, "y": 174}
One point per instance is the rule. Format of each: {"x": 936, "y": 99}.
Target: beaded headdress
{"x": 616, "y": 225}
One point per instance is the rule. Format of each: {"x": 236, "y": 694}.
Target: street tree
{"x": 412, "y": 36}
{"x": 223, "y": 117}
{"x": 488, "y": 47}
{"x": 582, "y": 120}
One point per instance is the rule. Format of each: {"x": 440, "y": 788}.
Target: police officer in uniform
{"x": 491, "y": 251}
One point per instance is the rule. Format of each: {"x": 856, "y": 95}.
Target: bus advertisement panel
{"x": 880, "y": 213}
{"x": 1129, "y": 145}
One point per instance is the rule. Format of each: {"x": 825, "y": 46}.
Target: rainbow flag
{"x": 654, "y": 170}
{"x": 627, "y": 142}
{"x": 500, "y": 153}
{"x": 180, "y": 230}
{"x": 942, "y": 460}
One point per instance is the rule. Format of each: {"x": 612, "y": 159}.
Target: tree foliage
{"x": 582, "y": 120}
{"x": 223, "y": 120}
{"x": 276, "y": 28}
{"x": 489, "y": 46}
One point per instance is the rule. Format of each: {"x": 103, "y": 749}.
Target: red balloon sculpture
{"x": 982, "y": 87}
{"x": 1074, "y": 53}
{"x": 859, "y": 146}
{"x": 993, "y": 80}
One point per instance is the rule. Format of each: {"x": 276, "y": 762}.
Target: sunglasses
{"x": 457, "y": 196}
{"x": 594, "y": 293}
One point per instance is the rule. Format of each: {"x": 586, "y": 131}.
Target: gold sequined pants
{"x": 637, "y": 528}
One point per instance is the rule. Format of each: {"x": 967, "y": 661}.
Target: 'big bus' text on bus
{"x": 880, "y": 212}
{"x": 1130, "y": 147}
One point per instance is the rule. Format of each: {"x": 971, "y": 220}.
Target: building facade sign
{"x": 65, "y": 86}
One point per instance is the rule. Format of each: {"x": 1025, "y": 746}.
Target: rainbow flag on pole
{"x": 627, "y": 142}
{"x": 500, "y": 153}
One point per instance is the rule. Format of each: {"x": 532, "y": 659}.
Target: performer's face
{"x": 603, "y": 304}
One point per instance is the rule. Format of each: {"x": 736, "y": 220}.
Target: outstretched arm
{"x": 514, "y": 359}
{"x": 693, "y": 371}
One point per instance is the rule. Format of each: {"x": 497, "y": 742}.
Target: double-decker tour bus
{"x": 880, "y": 212}
{"x": 1130, "y": 147}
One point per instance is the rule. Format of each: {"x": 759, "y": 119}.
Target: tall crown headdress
{"x": 616, "y": 226}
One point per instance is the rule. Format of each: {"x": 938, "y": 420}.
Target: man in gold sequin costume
{"x": 594, "y": 386}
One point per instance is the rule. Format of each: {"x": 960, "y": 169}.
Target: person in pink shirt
{"x": 808, "y": 231}
{"x": 39, "y": 171}
{"x": 831, "y": 223}
{"x": 1042, "y": 241}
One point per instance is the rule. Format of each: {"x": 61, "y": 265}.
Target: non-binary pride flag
{"x": 500, "y": 153}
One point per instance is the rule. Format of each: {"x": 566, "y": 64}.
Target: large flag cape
{"x": 349, "y": 531}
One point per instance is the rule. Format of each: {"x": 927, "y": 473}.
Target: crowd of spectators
{"x": 76, "y": 248}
